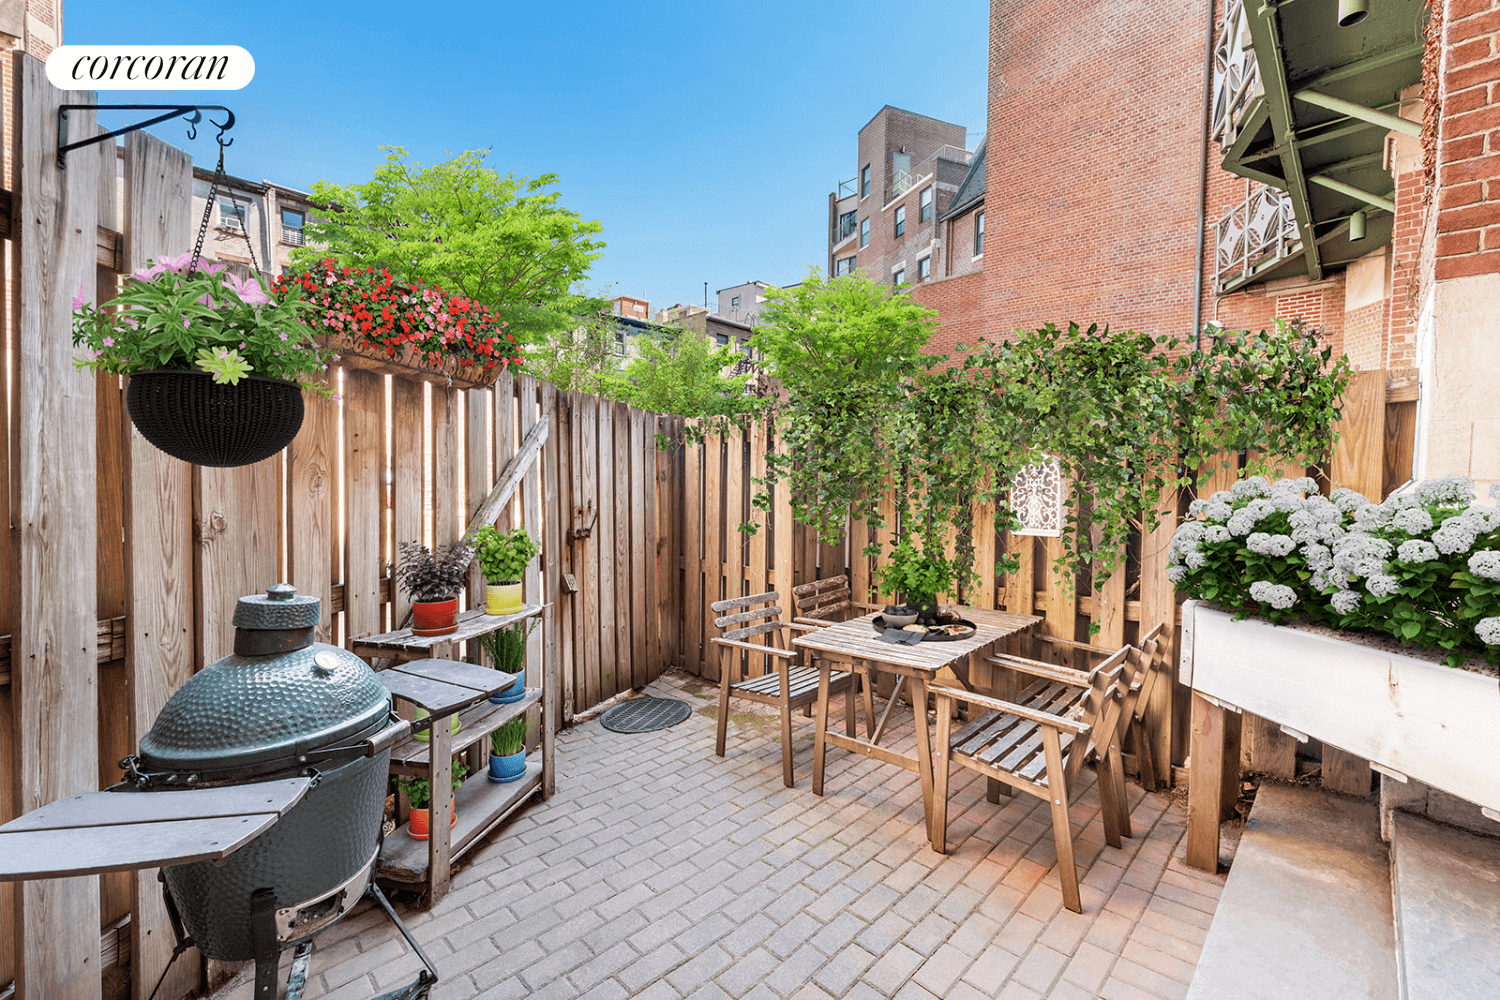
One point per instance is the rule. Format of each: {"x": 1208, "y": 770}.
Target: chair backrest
{"x": 1149, "y": 668}
{"x": 1102, "y": 703}
{"x": 823, "y": 600}
{"x": 738, "y": 625}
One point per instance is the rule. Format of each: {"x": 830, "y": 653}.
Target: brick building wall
{"x": 957, "y": 301}
{"x": 1468, "y": 152}
{"x": 958, "y": 246}
{"x": 1092, "y": 180}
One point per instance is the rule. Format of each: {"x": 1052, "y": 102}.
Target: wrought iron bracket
{"x": 192, "y": 112}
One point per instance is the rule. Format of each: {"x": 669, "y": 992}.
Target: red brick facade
{"x": 1468, "y": 153}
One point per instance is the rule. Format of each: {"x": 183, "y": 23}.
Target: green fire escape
{"x": 1302, "y": 109}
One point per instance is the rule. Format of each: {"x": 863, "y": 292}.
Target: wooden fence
{"x": 123, "y": 565}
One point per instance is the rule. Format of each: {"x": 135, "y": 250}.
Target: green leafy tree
{"x": 579, "y": 356}
{"x": 679, "y": 370}
{"x": 503, "y": 241}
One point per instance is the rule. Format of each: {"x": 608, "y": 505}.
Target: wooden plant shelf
{"x": 403, "y": 645}
{"x": 414, "y": 757}
{"x": 482, "y": 805}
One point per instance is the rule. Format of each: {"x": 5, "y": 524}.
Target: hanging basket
{"x": 190, "y": 416}
{"x": 449, "y": 372}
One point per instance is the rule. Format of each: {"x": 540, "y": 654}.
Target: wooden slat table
{"x": 855, "y": 645}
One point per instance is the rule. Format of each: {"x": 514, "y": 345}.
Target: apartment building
{"x": 885, "y": 221}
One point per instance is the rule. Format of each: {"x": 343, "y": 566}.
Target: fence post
{"x": 53, "y": 661}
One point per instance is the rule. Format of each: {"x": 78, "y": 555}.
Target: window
{"x": 232, "y": 214}
{"x": 900, "y": 173}
{"x": 844, "y": 265}
{"x": 847, "y": 223}
{"x": 864, "y": 182}
{"x": 924, "y": 268}
{"x": 620, "y": 343}
{"x": 291, "y": 227}
{"x": 924, "y": 204}
{"x": 722, "y": 339}
{"x": 898, "y": 276}
{"x": 864, "y": 232}
{"x": 979, "y": 234}
{"x": 734, "y": 303}
{"x": 900, "y": 221}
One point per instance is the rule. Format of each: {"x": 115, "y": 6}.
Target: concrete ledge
{"x": 1306, "y": 911}
{"x": 1447, "y": 903}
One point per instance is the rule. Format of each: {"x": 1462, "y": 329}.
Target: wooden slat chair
{"x": 1038, "y": 750}
{"x": 822, "y": 602}
{"x": 788, "y": 683}
{"x": 1142, "y": 673}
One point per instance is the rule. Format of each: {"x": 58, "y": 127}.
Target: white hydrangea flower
{"x": 1196, "y": 507}
{"x": 1495, "y": 490}
{"x": 1286, "y": 500}
{"x": 1323, "y": 510}
{"x": 1413, "y": 520}
{"x": 1306, "y": 534}
{"x": 1318, "y": 557}
{"x": 1360, "y": 555}
{"x": 1453, "y": 490}
{"x": 1453, "y": 536}
{"x": 1488, "y": 631}
{"x": 1177, "y": 573}
{"x": 1216, "y": 533}
{"x": 1270, "y": 545}
{"x": 1242, "y": 522}
{"x": 1218, "y": 511}
{"x": 1416, "y": 550}
{"x": 1328, "y": 579}
{"x": 1222, "y": 496}
{"x": 1345, "y": 601}
{"x": 1480, "y": 519}
{"x": 1255, "y": 486}
{"x": 1485, "y": 563}
{"x": 1372, "y": 516}
{"x": 1401, "y": 502}
{"x": 1347, "y": 500}
{"x": 1382, "y": 585}
{"x": 1194, "y": 559}
{"x": 1302, "y": 518}
{"x": 1274, "y": 594}
{"x": 1308, "y": 485}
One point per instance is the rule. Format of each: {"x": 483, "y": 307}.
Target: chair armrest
{"x": 1082, "y": 647}
{"x": 752, "y": 647}
{"x": 868, "y": 606}
{"x": 1048, "y": 671}
{"x": 810, "y": 623}
{"x": 1010, "y": 708}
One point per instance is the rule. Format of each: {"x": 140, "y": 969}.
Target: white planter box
{"x": 1423, "y": 720}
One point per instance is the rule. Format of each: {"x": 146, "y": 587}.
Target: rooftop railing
{"x": 1236, "y": 74}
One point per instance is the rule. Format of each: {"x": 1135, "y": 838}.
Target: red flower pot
{"x": 420, "y": 828}
{"x": 434, "y": 617}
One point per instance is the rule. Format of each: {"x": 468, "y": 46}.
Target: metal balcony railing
{"x": 1236, "y": 74}
{"x": 1260, "y": 230}
{"x": 291, "y": 235}
{"x": 900, "y": 183}
{"x": 849, "y": 188}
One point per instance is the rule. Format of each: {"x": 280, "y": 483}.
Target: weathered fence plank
{"x": 692, "y": 558}
{"x": 363, "y": 463}
{"x": 641, "y": 668}
{"x": 159, "y": 553}
{"x": 53, "y": 671}
{"x": 624, "y": 626}
{"x": 407, "y": 423}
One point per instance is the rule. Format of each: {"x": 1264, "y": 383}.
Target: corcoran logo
{"x": 150, "y": 67}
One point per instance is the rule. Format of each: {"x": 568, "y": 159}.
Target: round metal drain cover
{"x": 645, "y": 715}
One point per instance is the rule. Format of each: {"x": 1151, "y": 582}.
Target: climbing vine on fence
{"x": 1127, "y": 415}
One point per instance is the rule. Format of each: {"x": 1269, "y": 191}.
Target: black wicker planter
{"x": 189, "y": 416}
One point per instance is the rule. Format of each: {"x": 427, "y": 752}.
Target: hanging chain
{"x": 208, "y": 209}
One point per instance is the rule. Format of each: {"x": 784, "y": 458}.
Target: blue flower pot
{"x": 505, "y": 769}
{"x": 515, "y": 692}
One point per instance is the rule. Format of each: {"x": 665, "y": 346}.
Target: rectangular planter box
{"x": 1423, "y": 720}
{"x": 408, "y": 364}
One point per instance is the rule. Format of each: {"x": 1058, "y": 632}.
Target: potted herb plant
{"x": 918, "y": 577}
{"x": 503, "y": 557}
{"x": 433, "y": 580}
{"x": 217, "y": 364}
{"x": 508, "y": 751}
{"x": 506, "y": 648}
{"x": 419, "y": 795}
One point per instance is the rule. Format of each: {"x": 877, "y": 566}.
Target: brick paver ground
{"x": 661, "y": 871}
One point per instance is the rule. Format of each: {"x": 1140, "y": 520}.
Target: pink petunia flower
{"x": 79, "y": 299}
{"x": 109, "y": 342}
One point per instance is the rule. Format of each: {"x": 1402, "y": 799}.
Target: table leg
{"x": 820, "y": 730}
{"x": 924, "y": 752}
{"x": 439, "y": 806}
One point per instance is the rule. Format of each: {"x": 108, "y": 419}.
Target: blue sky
{"x": 704, "y": 136}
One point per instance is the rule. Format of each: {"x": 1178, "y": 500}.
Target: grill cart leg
{"x": 419, "y": 988}
{"x": 183, "y": 941}
{"x": 298, "y": 977}
{"x": 263, "y": 939}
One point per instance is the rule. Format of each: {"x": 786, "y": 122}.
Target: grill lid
{"x": 248, "y": 710}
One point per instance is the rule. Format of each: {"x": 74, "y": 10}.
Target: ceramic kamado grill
{"x": 259, "y": 791}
